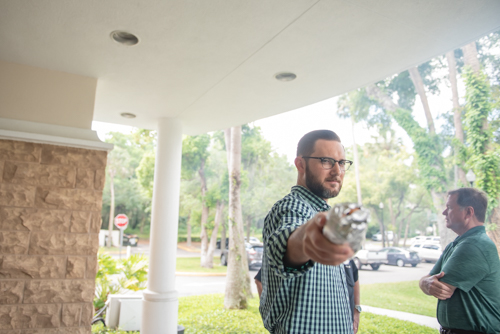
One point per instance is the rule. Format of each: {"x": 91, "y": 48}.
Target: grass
{"x": 192, "y": 264}
{"x": 205, "y": 314}
{"x": 401, "y": 296}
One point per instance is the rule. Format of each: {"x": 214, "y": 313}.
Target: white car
{"x": 389, "y": 236}
{"x": 427, "y": 251}
{"x": 253, "y": 240}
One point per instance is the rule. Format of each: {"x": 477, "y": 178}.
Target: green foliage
{"x": 484, "y": 155}
{"x": 399, "y": 296}
{"x": 194, "y": 154}
{"x": 103, "y": 284}
{"x": 135, "y": 272}
{"x": 428, "y": 148}
{"x": 100, "y": 329}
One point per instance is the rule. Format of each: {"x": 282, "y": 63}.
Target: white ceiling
{"x": 212, "y": 63}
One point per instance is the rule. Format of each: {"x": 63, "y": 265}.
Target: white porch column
{"x": 160, "y": 303}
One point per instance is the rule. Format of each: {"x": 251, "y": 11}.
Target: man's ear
{"x": 470, "y": 212}
{"x": 300, "y": 164}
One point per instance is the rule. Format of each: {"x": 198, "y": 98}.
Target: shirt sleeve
{"x": 277, "y": 241}
{"x": 465, "y": 267}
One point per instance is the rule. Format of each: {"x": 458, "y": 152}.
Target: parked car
{"x": 427, "y": 251}
{"x": 253, "y": 240}
{"x": 254, "y": 255}
{"x": 389, "y": 235}
{"x": 366, "y": 257}
{"x": 401, "y": 256}
{"x": 130, "y": 240}
{"x": 427, "y": 239}
{"x": 217, "y": 244}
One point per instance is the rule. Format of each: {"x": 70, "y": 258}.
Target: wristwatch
{"x": 358, "y": 307}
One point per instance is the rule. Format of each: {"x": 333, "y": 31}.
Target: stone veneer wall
{"x": 50, "y": 205}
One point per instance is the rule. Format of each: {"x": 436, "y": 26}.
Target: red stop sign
{"x": 121, "y": 221}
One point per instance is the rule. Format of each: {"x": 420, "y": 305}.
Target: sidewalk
{"x": 418, "y": 319}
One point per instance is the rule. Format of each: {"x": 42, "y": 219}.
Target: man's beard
{"x": 317, "y": 188}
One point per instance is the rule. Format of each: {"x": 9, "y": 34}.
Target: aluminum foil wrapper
{"x": 346, "y": 222}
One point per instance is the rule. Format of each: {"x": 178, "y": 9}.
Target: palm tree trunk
{"x": 237, "y": 280}
{"x": 356, "y": 163}
{"x": 457, "y": 113}
{"x": 419, "y": 87}
{"x": 219, "y": 209}
{"x": 204, "y": 219}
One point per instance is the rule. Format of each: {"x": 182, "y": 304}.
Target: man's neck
{"x": 468, "y": 227}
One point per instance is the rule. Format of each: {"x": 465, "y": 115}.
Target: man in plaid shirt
{"x": 304, "y": 283}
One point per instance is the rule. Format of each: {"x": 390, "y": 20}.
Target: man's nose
{"x": 335, "y": 169}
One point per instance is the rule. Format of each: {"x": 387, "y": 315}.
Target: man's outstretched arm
{"x": 308, "y": 243}
{"x": 430, "y": 285}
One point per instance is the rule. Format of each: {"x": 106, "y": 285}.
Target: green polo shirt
{"x": 471, "y": 264}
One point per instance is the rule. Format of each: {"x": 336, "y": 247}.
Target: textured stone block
{"x": 17, "y": 195}
{"x": 92, "y": 267}
{"x": 69, "y": 291}
{"x": 57, "y": 176}
{"x": 68, "y": 199}
{"x": 71, "y": 315}
{"x": 93, "y": 244}
{"x": 59, "y": 155}
{"x": 11, "y": 292}
{"x": 95, "y": 222}
{"x": 75, "y": 267}
{"x": 100, "y": 179}
{"x": 85, "y": 178}
{"x": 32, "y": 267}
{"x": 1, "y": 170}
{"x": 19, "y": 151}
{"x": 87, "y": 313}
{"x": 21, "y": 172}
{"x": 80, "y": 221}
{"x": 34, "y": 220}
{"x": 30, "y": 316}
{"x": 59, "y": 244}
{"x": 14, "y": 242}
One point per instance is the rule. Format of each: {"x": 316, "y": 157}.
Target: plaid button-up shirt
{"x": 311, "y": 299}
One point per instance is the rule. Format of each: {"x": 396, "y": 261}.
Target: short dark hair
{"x": 306, "y": 143}
{"x": 472, "y": 197}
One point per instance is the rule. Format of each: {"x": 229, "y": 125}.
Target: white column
{"x": 160, "y": 303}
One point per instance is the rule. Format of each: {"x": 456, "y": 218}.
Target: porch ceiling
{"x": 212, "y": 63}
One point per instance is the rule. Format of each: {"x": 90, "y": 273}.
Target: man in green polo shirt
{"x": 466, "y": 278}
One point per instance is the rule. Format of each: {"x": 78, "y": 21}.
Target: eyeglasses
{"x": 329, "y": 163}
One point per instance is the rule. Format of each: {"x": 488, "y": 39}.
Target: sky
{"x": 284, "y": 130}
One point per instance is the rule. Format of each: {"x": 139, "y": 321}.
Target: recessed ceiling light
{"x": 285, "y": 76}
{"x": 124, "y": 38}
{"x": 127, "y": 115}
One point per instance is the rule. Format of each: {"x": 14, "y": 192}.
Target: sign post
{"x": 121, "y": 221}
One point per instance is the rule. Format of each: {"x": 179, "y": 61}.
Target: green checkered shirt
{"x": 311, "y": 299}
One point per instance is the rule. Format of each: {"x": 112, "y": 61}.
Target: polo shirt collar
{"x": 316, "y": 202}
{"x": 471, "y": 232}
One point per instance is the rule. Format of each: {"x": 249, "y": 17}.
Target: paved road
{"x": 198, "y": 285}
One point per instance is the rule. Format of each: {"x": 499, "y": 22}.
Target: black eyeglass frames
{"x": 328, "y": 163}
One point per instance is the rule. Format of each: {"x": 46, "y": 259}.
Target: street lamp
{"x": 470, "y": 176}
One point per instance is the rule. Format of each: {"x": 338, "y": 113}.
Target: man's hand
{"x": 431, "y": 286}
{"x": 355, "y": 322}
{"x": 308, "y": 243}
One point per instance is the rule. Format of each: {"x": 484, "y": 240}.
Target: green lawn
{"x": 401, "y": 296}
{"x": 192, "y": 264}
{"x": 205, "y": 314}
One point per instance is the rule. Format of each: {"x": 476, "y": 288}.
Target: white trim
{"x": 51, "y": 134}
